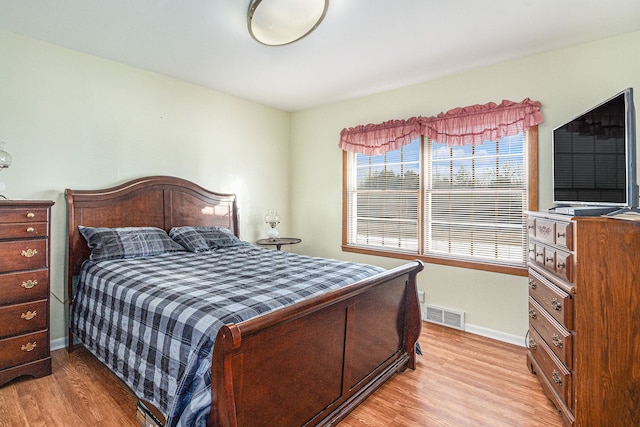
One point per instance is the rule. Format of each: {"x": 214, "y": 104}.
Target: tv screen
{"x": 594, "y": 156}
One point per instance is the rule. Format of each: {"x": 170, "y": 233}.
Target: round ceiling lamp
{"x": 280, "y": 22}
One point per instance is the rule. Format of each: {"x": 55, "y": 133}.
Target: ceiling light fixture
{"x": 280, "y": 22}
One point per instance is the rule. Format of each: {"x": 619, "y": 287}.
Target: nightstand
{"x": 279, "y": 242}
{"x": 24, "y": 289}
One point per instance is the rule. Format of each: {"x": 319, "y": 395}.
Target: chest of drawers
{"x": 584, "y": 317}
{"x": 24, "y": 289}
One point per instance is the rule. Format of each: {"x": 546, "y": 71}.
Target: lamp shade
{"x": 5, "y": 158}
{"x": 280, "y": 22}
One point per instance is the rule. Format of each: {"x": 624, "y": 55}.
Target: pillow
{"x": 189, "y": 238}
{"x": 219, "y": 237}
{"x": 198, "y": 239}
{"x": 127, "y": 242}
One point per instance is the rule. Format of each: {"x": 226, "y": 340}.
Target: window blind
{"x": 474, "y": 200}
{"x": 383, "y": 198}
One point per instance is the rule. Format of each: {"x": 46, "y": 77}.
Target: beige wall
{"x": 566, "y": 82}
{"x": 71, "y": 120}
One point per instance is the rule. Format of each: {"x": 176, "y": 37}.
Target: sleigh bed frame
{"x": 361, "y": 334}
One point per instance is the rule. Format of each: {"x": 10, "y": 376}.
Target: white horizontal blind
{"x": 474, "y": 200}
{"x": 383, "y": 197}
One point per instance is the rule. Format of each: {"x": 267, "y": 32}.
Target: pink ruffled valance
{"x": 477, "y": 123}
{"x": 460, "y": 126}
{"x": 375, "y": 139}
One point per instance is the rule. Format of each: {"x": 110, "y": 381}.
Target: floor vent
{"x": 443, "y": 316}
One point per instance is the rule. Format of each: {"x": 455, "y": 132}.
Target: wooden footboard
{"x": 312, "y": 363}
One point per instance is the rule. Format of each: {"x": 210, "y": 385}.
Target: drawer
{"x": 545, "y": 230}
{"x": 556, "y": 261}
{"x": 560, "y": 340}
{"x": 564, "y": 265}
{"x": 23, "y": 230}
{"x": 23, "y": 255}
{"x": 532, "y": 251}
{"x": 24, "y": 286}
{"x": 23, "y": 214}
{"x": 23, "y": 349}
{"x": 531, "y": 226}
{"x": 554, "y": 300}
{"x": 564, "y": 235}
{"x": 554, "y": 232}
{"x": 538, "y": 254}
{"x": 555, "y": 373}
{"x": 23, "y": 318}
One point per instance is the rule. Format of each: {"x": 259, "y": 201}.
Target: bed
{"x": 307, "y": 359}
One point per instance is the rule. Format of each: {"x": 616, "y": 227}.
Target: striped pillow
{"x": 127, "y": 242}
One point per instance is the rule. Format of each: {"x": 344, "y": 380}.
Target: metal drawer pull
{"x": 29, "y": 284}
{"x": 560, "y": 235}
{"x": 561, "y": 265}
{"x": 548, "y": 259}
{"x": 31, "y": 215}
{"x": 30, "y": 230}
{"x": 556, "y": 377}
{"x": 532, "y": 284}
{"x": 532, "y": 344}
{"x": 539, "y": 254}
{"x": 556, "y": 305}
{"x": 28, "y": 315}
{"x": 532, "y": 314}
{"x": 29, "y": 253}
{"x": 29, "y": 346}
{"x": 556, "y": 341}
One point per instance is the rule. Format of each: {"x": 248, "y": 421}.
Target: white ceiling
{"x": 361, "y": 47}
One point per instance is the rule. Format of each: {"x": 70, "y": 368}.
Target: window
{"x": 457, "y": 205}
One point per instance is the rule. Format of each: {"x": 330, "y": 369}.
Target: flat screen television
{"x": 594, "y": 156}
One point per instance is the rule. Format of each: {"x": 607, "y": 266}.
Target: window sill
{"x": 496, "y": 268}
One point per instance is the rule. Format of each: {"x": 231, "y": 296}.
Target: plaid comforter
{"x": 153, "y": 320}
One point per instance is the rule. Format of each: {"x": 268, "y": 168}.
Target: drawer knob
{"x": 548, "y": 259}
{"x": 29, "y": 253}
{"x": 556, "y": 304}
{"x": 539, "y": 254}
{"x": 29, "y": 346}
{"x": 532, "y": 344}
{"x": 28, "y": 315}
{"x": 30, "y": 230}
{"x": 532, "y": 284}
{"x": 30, "y": 215}
{"x": 556, "y": 341}
{"x": 556, "y": 377}
{"x": 561, "y": 265}
{"x": 560, "y": 235}
{"x": 29, "y": 284}
{"x": 532, "y": 314}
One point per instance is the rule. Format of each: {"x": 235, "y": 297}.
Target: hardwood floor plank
{"x": 11, "y": 412}
{"x": 462, "y": 380}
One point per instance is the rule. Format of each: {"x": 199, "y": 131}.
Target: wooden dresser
{"x": 24, "y": 289}
{"x": 584, "y": 317}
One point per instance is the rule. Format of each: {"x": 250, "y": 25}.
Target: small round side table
{"x": 279, "y": 242}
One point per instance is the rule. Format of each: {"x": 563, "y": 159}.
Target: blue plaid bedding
{"x": 153, "y": 320}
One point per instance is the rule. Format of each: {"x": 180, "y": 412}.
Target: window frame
{"x": 532, "y": 158}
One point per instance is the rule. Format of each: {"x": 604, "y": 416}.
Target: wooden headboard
{"x": 155, "y": 201}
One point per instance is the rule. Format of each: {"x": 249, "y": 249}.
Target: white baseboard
{"x": 58, "y": 343}
{"x": 518, "y": 340}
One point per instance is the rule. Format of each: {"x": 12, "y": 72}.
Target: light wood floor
{"x": 462, "y": 380}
